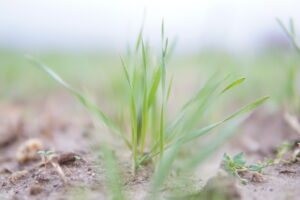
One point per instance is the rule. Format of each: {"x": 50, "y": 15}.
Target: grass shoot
{"x": 152, "y": 132}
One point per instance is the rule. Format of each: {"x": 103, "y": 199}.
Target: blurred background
{"x": 82, "y": 40}
{"x": 93, "y": 25}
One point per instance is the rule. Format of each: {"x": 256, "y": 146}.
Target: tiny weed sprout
{"x": 282, "y": 150}
{"x": 46, "y": 155}
{"x": 296, "y": 153}
{"x": 234, "y": 166}
{"x": 77, "y": 157}
{"x": 152, "y": 132}
{"x": 287, "y": 152}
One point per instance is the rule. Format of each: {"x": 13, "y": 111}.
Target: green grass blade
{"x": 203, "y": 131}
{"x": 247, "y": 108}
{"x": 144, "y": 56}
{"x": 171, "y": 49}
{"x": 134, "y": 128}
{"x": 163, "y": 169}
{"x": 289, "y": 33}
{"x": 138, "y": 42}
{"x": 162, "y": 29}
{"x": 144, "y": 120}
{"x": 154, "y": 87}
{"x": 204, "y": 91}
{"x": 112, "y": 173}
{"x": 165, "y": 50}
{"x": 203, "y": 97}
{"x": 163, "y": 59}
{"x": 88, "y": 104}
{"x": 169, "y": 88}
{"x": 162, "y": 130}
{"x": 126, "y": 72}
{"x": 197, "y": 133}
{"x": 233, "y": 84}
{"x": 292, "y": 28}
{"x": 222, "y": 137}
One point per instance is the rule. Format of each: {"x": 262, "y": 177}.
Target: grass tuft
{"x": 149, "y": 88}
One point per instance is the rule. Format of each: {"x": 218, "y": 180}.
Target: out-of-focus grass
{"x": 19, "y": 80}
{"x": 266, "y": 74}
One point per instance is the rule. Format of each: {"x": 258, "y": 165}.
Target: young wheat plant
{"x": 149, "y": 87}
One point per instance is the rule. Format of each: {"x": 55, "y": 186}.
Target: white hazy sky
{"x": 110, "y": 24}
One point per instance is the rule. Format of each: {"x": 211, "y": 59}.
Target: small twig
{"x": 59, "y": 170}
{"x": 292, "y": 121}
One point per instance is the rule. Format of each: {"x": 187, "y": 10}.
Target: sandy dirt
{"x": 66, "y": 132}
{"x": 56, "y": 129}
{"x": 262, "y": 134}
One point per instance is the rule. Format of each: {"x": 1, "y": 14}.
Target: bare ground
{"x": 61, "y": 129}
{"x": 261, "y": 136}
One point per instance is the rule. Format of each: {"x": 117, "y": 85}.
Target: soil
{"x": 55, "y": 129}
{"x": 67, "y": 132}
{"x": 261, "y": 135}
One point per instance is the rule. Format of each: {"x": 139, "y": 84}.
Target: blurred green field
{"x": 101, "y": 74}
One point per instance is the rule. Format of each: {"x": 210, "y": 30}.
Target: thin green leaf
{"x": 138, "y": 42}
{"x": 144, "y": 119}
{"x": 113, "y": 175}
{"x": 201, "y": 101}
{"x": 239, "y": 159}
{"x": 162, "y": 130}
{"x": 144, "y": 56}
{"x": 239, "y": 156}
{"x": 248, "y": 108}
{"x": 233, "y": 84}
{"x": 207, "y": 150}
{"x": 255, "y": 167}
{"x": 162, "y": 29}
{"x": 77, "y": 157}
{"x": 169, "y": 88}
{"x": 203, "y": 131}
{"x": 154, "y": 87}
{"x": 49, "y": 153}
{"x": 290, "y": 33}
{"x": 41, "y": 152}
{"x": 134, "y": 128}
{"x": 163, "y": 169}
{"x": 126, "y": 72}
{"x": 226, "y": 157}
{"x": 292, "y": 28}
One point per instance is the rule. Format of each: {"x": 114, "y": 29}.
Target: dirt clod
{"x": 67, "y": 158}
{"x": 257, "y": 177}
{"x": 35, "y": 190}
{"x": 28, "y": 150}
